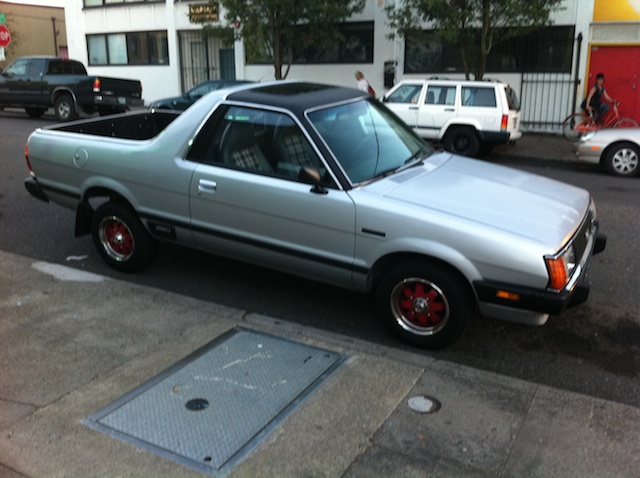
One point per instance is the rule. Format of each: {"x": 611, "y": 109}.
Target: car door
{"x": 405, "y": 101}
{"x": 247, "y": 202}
{"x": 438, "y": 109}
{"x": 14, "y": 87}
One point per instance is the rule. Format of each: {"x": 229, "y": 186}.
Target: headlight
{"x": 561, "y": 267}
{"x": 587, "y": 136}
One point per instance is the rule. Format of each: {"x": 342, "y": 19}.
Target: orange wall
{"x": 616, "y": 10}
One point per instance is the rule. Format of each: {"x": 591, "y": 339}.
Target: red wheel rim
{"x": 419, "y": 306}
{"x": 116, "y": 238}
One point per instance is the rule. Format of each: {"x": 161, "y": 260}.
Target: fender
{"x": 60, "y": 90}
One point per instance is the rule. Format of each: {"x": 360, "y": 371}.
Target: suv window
{"x": 405, "y": 94}
{"x": 478, "y": 96}
{"x": 441, "y": 95}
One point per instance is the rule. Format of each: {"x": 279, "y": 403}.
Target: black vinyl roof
{"x": 298, "y": 96}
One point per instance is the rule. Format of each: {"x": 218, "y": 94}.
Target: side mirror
{"x": 311, "y": 175}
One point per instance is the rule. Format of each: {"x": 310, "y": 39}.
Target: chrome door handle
{"x": 206, "y": 186}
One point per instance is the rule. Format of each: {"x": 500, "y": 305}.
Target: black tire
{"x": 121, "y": 239}
{"x": 622, "y": 159}
{"x": 462, "y": 141}
{"x": 65, "y": 108}
{"x": 35, "y": 112}
{"x": 425, "y": 304}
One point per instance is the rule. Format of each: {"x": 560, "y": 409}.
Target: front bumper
{"x": 538, "y": 300}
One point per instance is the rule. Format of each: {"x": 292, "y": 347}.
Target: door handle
{"x": 449, "y": 109}
{"x": 206, "y": 186}
{"x": 413, "y": 107}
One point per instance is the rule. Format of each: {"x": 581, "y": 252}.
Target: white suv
{"x": 468, "y": 117}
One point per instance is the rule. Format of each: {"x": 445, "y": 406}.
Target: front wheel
{"x": 623, "y": 159}
{"x": 626, "y": 123}
{"x": 35, "y": 112}
{"x": 121, "y": 239}
{"x": 571, "y": 126}
{"x": 425, "y": 304}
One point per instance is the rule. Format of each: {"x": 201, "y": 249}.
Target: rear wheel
{"x": 425, "y": 304}
{"x": 570, "y": 126}
{"x": 462, "y": 141}
{"x": 65, "y": 108}
{"x": 622, "y": 159}
{"x": 121, "y": 239}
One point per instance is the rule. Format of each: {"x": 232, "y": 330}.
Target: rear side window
{"x": 512, "y": 98}
{"x": 441, "y": 95}
{"x": 66, "y": 67}
{"x": 478, "y": 96}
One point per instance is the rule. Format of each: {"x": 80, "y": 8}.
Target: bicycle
{"x": 577, "y": 124}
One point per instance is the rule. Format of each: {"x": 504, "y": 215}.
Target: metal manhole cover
{"x": 210, "y": 409}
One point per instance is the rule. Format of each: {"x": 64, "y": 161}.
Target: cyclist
{"x": 593, "y": 103}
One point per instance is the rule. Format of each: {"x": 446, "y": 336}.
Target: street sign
{"x": 5, "y": 36}
{"x": 2, "y": 19}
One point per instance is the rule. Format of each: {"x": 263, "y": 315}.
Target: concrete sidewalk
{"x": 537, "y": 146}
{"x": 73, "y": 342}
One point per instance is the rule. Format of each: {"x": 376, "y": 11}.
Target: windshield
{"x": 368, "y": 140}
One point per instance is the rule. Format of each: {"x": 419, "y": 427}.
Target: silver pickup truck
{"x": 326, "y": 183}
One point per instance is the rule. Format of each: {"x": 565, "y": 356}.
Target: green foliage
{"x": 268, "y": 27}
{"x": 475, "y": 26}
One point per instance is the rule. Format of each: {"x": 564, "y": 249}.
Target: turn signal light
{"x": 503, "y": 294}
{"x": 557, "y": 273}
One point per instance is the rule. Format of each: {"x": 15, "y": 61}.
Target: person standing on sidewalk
{"x": 363, "y": 84}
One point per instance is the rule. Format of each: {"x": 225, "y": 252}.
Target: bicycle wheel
{"x": 569, "y": 126}
{"x": 626, "y": 123}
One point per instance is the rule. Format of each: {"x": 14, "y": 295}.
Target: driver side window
{"x": 262, "y": 142}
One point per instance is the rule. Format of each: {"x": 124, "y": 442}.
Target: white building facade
{"x": 157, "y": 42}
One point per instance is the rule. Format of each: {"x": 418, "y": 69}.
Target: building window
{"x": 102, "y": 3}
{"x": 356, "y": 47}
{"x": 139, "y": 48}
{"x": 549, "y": 50}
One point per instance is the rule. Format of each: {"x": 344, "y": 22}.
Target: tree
{"x": 271, "y": 28}
{"x": 474, "y": 26}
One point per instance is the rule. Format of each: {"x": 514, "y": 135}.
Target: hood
{"x": 517, "y": 202}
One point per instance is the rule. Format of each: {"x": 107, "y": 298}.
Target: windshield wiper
{"x": 416, "y": 159}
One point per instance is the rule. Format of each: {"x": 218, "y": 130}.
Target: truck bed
{"x": 137, "y": 126}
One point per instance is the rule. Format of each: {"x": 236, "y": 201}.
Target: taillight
{"x": 505, "y": 122}
{"x": 26, "y": 156}
{"x": 96, "y": 85}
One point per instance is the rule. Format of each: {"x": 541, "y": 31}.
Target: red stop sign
{"x": 5, "y": 36}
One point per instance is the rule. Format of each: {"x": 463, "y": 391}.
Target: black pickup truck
{"x": 39, "y": 83}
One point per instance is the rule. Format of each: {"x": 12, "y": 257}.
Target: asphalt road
{"x": 592, "y": 349}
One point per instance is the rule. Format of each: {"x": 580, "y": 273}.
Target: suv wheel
{"x": 462, "y": 141}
